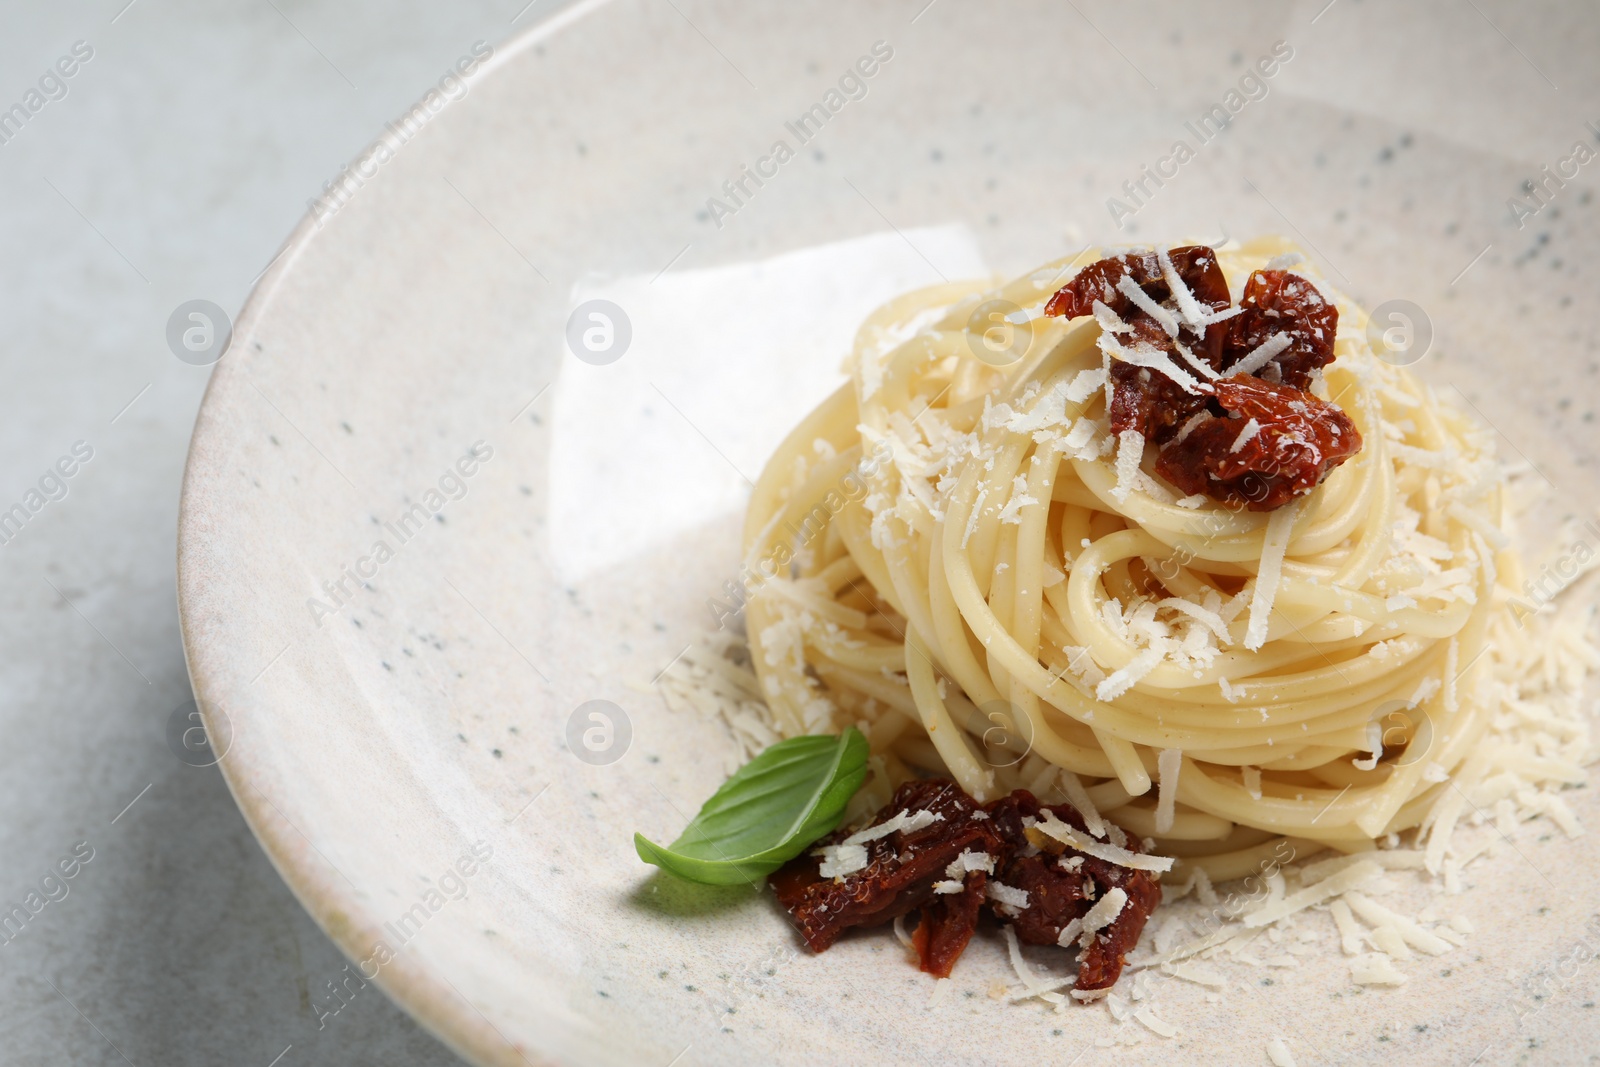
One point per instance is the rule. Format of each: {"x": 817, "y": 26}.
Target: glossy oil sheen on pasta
{"x": 949, "y": 553}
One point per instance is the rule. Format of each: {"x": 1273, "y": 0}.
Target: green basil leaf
{"x": 768, "y": 812}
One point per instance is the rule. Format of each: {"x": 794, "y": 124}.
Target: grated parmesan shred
{"x": 1071, "y": 837}
{"x": 1375, "y": 969}
{"x": 1168, "y": 764}
{"x": 1251, "y": 430}
{"x": 850, "y": 855}
{"x": 1273, "y": 548}
{"x": 1262, "y": 354}
{"x": 1103, "y": 914}
{"x": 1278, "y": 1052}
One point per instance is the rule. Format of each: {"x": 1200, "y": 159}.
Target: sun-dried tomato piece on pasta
{"x": 1146, "y": 400}
{"x": 1196, "y": 265}
{"x": 1276, "y": 443}
{"x": 1143, "y": 398}
{"x": 1279, "y": 303}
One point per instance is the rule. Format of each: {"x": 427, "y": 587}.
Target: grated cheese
{"x": 1388, "y": 940}
{"x": 1103, "y": 914}
{"x": 1124, "y": 678}
{"x": 1168, "y": 764}
{"x": 1130, "y": 453}
{"x": 1340, "y": 883}
{"x": 1350, "y": 936}
{"x": 842, "y": 859}
{"x": 850, "y": 855}
{"x": 1413, "y": 935}
{"x": 1279, "y": 1054}
{"x": 1188, "y": 427}
{"x": 1375, "y": 969}
{"x": 1032, "y": 984}
{"x": 1020, "y": 499}
{"x": 1199, "y": 365}
{"x": 1079, "y": 798}
{"x": 1009, "y": 898}
{"x": 1109, "y": 320}
{"x": 1192, "y": 311}
{"x": 970, "y": 861}
{"x": 1273, "y": 548}
{"x": 1071, "y": 837}
{"x": 1142, "y": 300}
{"x": 1085, "y": 384}
{"x": 1154, "y": 1024}
{"x": 1210, "y": 619}
{"x": 1262, "y": 354}
{"x": 900, "y": 932}
{"x": 1198, "y": 973}
{"x": 1151, "y": 358}
{"x": 1251, "y": 430}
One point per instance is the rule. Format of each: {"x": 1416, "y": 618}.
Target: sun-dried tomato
{"x": 1142, "y": 399}
{"x": 946, "y": 925}
{"x": 1196, "y": 265}
{"x": 1146, "y": 400}
{"x": 1278, "y": 302}
{"x": 903, "y": 867}
{"x": 1063, "y": 886}
{"x": 1277, "y": 443}
{"x": 899, "y": 877}
{"x": 1295, "y": 439}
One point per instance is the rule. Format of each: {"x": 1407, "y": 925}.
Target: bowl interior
{"x": 420, "y": 536}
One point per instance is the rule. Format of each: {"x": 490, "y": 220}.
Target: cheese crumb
{"x": 1008, "y": 898}
{"x": 850, "y": 855}
{"x": 1279, "y": 1054}
{"x": 1130, "y": 453}
{"x": 1103, "y": 914}
{"x": 1273, "y": 548}
{"x": 1376, "y": 969}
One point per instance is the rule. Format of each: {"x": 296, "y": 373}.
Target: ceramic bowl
{"x": 438, "y": 516}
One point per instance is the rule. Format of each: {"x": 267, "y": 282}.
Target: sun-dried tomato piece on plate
{"x": 1064, "y": 885}
{"x": 1277, "y": 302}
{"x": 1277, "y": 443}
{"x": 946, "y": 925}
{"x": 900, "y": 872}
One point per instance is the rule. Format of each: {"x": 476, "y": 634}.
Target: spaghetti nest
{"x": 957, "y": 554}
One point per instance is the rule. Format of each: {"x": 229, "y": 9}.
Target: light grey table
{"x": 168, "y": 167}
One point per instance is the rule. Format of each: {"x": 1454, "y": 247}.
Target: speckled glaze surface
{"x": 401, "y": 721}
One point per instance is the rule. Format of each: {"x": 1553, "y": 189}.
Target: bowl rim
{"x": 430, "y": 999}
